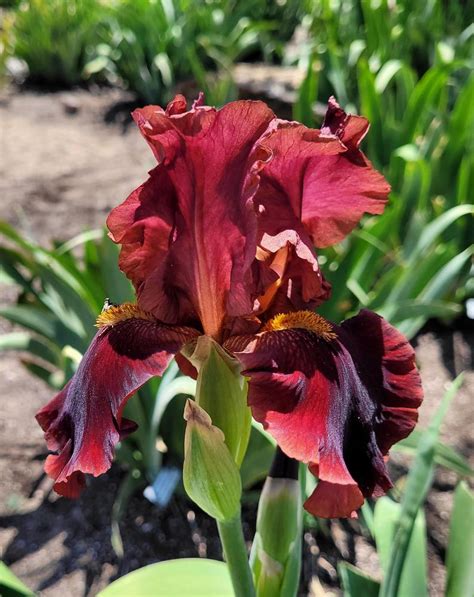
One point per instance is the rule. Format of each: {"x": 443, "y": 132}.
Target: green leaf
{"x": 22, "y": 341}
{"x": 446, "y": 277}
{"x": 54, "y": 379}
{"x": 174, "y": 578}
{"x": 258, "y": 457}
{"x": 52, "y": 268}
{"x": 42, "y": 322}
{"x": 422, "y": 100}
{"x": 460, "y": 558}
{"x": 171, "y": 385}
{"x": 420, "y": 308}
{"x": 371, "y": 107}
{"x": 417, "y": 486}
{"x": 307, "y": 95}
{"x": 413, "y": 580}
{"x": 117, "y": 286}
{"x": 293, "y": 566}
{"x": 17, "y": 268}
{"x": 368, "y": 516}
{"x": 357, "y": 583}
{"x": 436, "y": 227}
{"x": 444, "y": 455}
{"x": 10, "y": 585}
{"x": 129, "y": 485}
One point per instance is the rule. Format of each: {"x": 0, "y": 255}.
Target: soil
{"x": 67, "y": 158}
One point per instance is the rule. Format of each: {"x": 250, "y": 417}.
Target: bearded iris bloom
{"x": 219, "y": 241}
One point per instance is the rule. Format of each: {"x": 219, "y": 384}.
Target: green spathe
{"x": 222, "y": 392}
{"x": 278, "y": 530}
{"x": 211, "y": 477}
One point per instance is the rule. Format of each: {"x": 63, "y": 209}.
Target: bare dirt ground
{"x": 66, "y": 159}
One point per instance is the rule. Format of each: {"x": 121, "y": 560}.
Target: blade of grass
{"x": 356, "y": 582}
{"x": 413, "y": 578}
{"x": 444, "y": 454}
{"x": 417, "y": 486}
{"x": 460, "y": 557}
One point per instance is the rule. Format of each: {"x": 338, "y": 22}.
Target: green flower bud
{"x": 211, "y": 477}
{"x": 277, "y": 541}
{"x": 222, "y": 392}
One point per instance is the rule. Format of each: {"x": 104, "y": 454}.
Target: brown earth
{"x": 67, "y": 158}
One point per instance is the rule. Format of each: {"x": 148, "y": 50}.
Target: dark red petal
{"x": 339, "y": 404}
{"x": 176, "y": 106}
{"x": 185, "y": 366}
{"x": 350, "y": 128}
{"x": 299, "y": 283}
{"x": 327, "y": 181}
{"x": 84, "y": 422}
{"x": 189, "y": 233}
{"x": 328, "y": 499}
{"x": 372, "y": 340}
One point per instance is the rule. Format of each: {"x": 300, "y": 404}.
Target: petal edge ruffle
{"x": 337, "y": 405}
{"x": 83, "y": 423}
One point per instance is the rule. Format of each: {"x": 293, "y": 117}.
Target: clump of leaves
{"x": 53, "y": 37}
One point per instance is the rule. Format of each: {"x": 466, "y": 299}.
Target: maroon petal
{"x": 189, "y": 233}
{"x": 334, "y": 396}
{"x": 84, "y": 422}
{"x": 290, "y": 269}
{"x": 326, "y": 180}
{"x": 334, "y": 499}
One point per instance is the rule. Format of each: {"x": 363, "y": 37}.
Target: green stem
{"x": 235, "y": 551}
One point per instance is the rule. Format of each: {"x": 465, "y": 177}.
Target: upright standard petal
{"x": 188, "y": 234}
{"x": 335, "y": 397}
{"x": 84, "y": 422}
{"x": 326, "y": 180}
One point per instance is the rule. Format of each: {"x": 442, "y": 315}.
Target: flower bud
{"x": 211, "y": 477}
{"x": 222, "y": 392}
{"x": 277, "y": 541}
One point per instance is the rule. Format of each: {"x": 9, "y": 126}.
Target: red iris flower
{"x": 219, "y": 241}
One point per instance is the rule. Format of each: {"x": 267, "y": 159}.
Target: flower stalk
{"x": 235, "y": 552}
{"x": 217, "y": 434}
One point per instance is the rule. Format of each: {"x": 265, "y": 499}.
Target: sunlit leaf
{"x": 10, "y": 585}
{"x": 418, "y": 483}
{"x": 460, "y": 571}
{"x": 174, "y": 578}
{"x": 357, "y": 583}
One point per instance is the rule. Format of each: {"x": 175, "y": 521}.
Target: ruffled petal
{"x": 84, "y": 422}
{"x": 298, "y": 282}
{"x": 327, "y": 181}
{"x": 335, "y": 402}
{"x": 189, "y": 233}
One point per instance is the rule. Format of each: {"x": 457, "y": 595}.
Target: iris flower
{"x": 220, "y": 241}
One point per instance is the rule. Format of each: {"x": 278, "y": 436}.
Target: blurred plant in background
{"x": 52, "y": 37}
{"x": 147, "y": 46}
{"x": 151, "y": 46}
{"x": 406, "y": 68}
